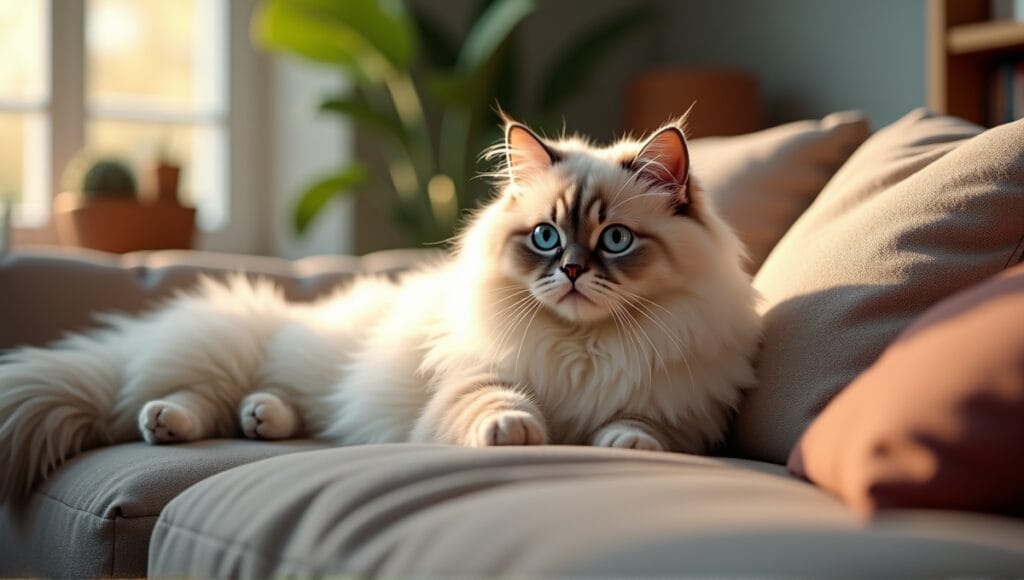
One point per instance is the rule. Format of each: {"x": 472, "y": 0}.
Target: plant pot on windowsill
{"x": 122, "y": 224}
{"x": 107, "y": 215}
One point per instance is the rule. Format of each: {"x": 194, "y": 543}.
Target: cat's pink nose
{"x": 573, "y": 271}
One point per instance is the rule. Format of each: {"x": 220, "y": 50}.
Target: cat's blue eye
{"x": 545, "y": 237}
{"x": 616, "y": 239}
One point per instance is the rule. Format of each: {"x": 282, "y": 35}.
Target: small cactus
{"x": 109, "y": 178}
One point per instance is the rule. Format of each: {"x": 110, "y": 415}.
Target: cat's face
{"x": 594, "y": 234}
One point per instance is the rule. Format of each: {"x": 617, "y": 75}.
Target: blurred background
{"x": 297, "y": 127}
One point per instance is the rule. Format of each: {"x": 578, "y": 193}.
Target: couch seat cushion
{"x": 94, "y": 516}
{"x": 435, "y": 511}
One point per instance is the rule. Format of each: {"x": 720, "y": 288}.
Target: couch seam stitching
{"x": 247, "y": 548}
{"x": 1016, "y": 253}
{"x": 93, "y": 514}
{"x": 113, "y": 550}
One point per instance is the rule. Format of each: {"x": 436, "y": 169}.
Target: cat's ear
{"x": 664, "y": 160}
{"x": 526, "y": 153}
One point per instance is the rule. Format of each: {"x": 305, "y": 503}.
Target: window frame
{"x": 68, "y": 115}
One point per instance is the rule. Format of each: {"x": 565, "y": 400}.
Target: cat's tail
{"x": 53, "y": 404}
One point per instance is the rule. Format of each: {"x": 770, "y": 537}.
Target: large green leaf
{"x": 358, "y": 35}
{"x": 573, "y": 69}
{"x": 361, "y": 112}
{"x": 490, "y": 31}
{"x": 277, "y": 24}
{"x": 471, "y": 82}
{"x": 316, "y": 196}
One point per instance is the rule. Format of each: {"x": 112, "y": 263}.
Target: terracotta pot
{"x": 724, "y": 102}
{"x": 122, "y": 225}
{"x": 166, "y": 186}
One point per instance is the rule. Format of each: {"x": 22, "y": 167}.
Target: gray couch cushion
{"x": 45, "y": 292}
{"x": 94, "y": 516}
{"x": 403, "y": 510}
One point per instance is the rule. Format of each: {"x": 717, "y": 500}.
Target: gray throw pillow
{"x": 926, "y": 207}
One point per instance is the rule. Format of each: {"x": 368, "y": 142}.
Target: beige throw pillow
{"x": 926, "y": 207}
{"x": 763, "y": 181}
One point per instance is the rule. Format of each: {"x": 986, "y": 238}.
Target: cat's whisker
{"x": 638, "y": 329}
{"x": 610, "y": 302}
{"x": 640, "y": 359}
{"x": 510, "y": 297}
{"x": 675, "y": 341}
{"x": 501, "y": 289}
{"x": 509, "y": 307}
{"x": 654, "y": 347}
{"x": 633, "y": 349}
{"x": 642, "y": 309}
{"x": 634, "y": 341}
{"x": 618, "y": 331}
{"x": 665, "y": 329}
{"x": 512, "y": 321}
{"x": 646, "y": 300}
{"x": 522, "y": 341}
{"x": 507, "y": 323}
{"x": 622, "y": 338}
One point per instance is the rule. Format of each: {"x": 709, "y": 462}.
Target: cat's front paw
{"x": 507, "y": 428}
{"x": 167, "y": 422}
{"x": 265, "y": 416}
{"x": 624, "y": 436}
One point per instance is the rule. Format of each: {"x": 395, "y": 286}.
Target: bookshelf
{"x": 964, "y": 48}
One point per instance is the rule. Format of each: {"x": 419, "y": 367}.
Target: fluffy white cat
{"x": 597, "y": 299}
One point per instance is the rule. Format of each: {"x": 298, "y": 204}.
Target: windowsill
{"x": 45, "y": 235}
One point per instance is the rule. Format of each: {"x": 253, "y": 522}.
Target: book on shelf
{"x": 1006, "y": 93}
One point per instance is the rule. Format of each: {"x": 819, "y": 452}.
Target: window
{"x": 24, "y": 108}
{"x": 152, "y": 81}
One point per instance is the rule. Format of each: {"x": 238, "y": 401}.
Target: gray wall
{"x": 812, "y": 56}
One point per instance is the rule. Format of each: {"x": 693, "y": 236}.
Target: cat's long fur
{"x": 651, "y": 352}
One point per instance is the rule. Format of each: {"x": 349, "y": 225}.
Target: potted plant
{"x": 427, "y": 94}
{"x": 105, "y": 212}
{"x": 166, "y": 173}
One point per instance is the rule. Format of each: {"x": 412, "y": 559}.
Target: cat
{"x": 597, "y": 299}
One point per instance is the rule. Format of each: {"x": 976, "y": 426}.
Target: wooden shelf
{"x": 965, "y": 48}
{"x": 986, "y": 36}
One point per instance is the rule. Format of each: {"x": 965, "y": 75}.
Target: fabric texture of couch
{"x": 433, "y": 511}
{"x": 100, "y": 507}
{"x": 240, "y": 508}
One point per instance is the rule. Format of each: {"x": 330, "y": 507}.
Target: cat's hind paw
{"x": 265, "y": 416}
{"x": 508, "y": 428}
{"x": 167, "y": 422}
{"x": 625, "y": 436}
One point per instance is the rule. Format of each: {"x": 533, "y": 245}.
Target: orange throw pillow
{"x": 938, "y": 420}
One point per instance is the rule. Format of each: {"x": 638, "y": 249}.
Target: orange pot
{"x": 122, "y": 225}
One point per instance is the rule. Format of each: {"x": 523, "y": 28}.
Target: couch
{"x": 256, "y": 509}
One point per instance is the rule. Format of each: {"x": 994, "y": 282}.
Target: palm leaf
{"x": 360, "y": 36}
{"x": 490, "y": 31}
{"x": 278, "y": 25}
{"x": 316, "y": 196}
{"x": 361, "y": 112}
